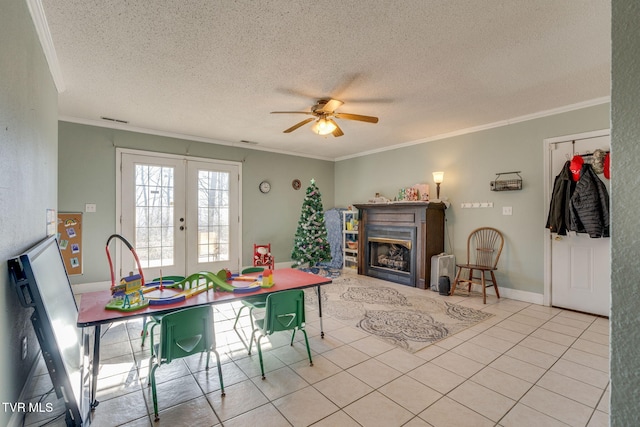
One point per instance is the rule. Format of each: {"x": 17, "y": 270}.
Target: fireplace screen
{"x": 393, "y": 254}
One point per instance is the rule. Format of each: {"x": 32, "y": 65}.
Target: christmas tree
{"x": 310, "y": 243}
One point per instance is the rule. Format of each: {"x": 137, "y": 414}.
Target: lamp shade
{"x": 438, "y": 177}
{"x": 323, "y": 127}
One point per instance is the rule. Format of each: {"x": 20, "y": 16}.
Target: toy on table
{"x": 262, "y": 256}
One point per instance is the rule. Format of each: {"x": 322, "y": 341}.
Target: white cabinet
{"x": 350, "y": 239}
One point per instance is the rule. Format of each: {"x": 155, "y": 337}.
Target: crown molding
{"x": 42, "y": 28}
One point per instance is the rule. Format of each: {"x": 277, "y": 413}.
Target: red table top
{"x": 92, "y": 310}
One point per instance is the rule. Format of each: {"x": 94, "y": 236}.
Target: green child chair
{"x": 250, "y": 302}
{"x": 182, "y": 333}
{"x": 153, "y": 320}
{"x": 284, "y": 311}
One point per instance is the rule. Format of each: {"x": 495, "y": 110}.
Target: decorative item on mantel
{"x": 379, "y": 199}
{"x": 510, "y": 184}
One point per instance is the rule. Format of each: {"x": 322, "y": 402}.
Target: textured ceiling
{"x": 216, "y": 69}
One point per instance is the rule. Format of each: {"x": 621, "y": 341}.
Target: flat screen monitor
{"x": 41, "y": 281}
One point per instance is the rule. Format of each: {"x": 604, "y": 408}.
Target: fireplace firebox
{"x": 399, "y": 240}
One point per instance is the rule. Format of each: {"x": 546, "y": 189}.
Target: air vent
{"x": 114, "y": 120}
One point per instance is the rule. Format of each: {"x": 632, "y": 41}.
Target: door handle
{"x": 181, "y": 227}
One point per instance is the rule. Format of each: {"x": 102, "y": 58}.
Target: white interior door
{"x": 580, "y": 265}
{"x": 180, "y": 215}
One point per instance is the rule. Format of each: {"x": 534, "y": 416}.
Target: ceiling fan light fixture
{"x": 323, "y": 126}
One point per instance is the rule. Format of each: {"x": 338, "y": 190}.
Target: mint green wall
{"x": 87, "y": 174}
{"x": 625, "y": 205}
{"x": 28, "y": 185}
{"x": 470, "y": 162}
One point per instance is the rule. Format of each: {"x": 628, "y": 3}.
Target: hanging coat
{"x": 559, "y": 219}
{"x": 589, "y": 205}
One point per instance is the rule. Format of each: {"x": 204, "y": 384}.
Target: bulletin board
{"x": 70, "y": 241}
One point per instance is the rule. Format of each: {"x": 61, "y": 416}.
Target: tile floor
{"x": 528, "y": 365}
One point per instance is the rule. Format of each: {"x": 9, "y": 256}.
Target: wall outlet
{"x": 90, "y": 207}
{"x": 24, "y": 348}
{"x": 507, "y": 210}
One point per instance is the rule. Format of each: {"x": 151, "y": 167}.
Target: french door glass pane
{"x": 154, "y": 230}
{"x": 213, "y": 216}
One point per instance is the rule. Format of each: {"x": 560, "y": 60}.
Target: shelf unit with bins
{"x": 350, "y": 239}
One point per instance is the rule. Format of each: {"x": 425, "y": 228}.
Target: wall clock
{"x": 296, "y": 184}
{"x": 264, "y": 187}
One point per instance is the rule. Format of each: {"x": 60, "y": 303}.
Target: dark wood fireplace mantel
{"x": 426, "y": 220}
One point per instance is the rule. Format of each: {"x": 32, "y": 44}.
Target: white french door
{"x": 180, "y": 214}
{"x": 580, "y": 265}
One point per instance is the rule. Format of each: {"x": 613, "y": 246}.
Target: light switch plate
{"x": 507, "y": 210}
{"x": 90, "y": 207}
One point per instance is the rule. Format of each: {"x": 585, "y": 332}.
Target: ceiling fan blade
{"x": 368, "y": 119}
{"x": 291, "y": 112}
{"x": 296, "y": 126}
{"x": 331, "y": 106}
{"x": 337, "y": 131}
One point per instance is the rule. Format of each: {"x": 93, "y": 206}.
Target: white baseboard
{"x": 514, "y": 294}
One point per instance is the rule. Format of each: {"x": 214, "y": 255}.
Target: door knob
{"x": 181, "y": 227}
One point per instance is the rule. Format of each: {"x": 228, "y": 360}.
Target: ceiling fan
{"x": 324, "y": 111}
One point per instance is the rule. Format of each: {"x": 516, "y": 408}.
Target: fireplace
{"x": 399, "y": 240}
{"x": 390, "y": 253}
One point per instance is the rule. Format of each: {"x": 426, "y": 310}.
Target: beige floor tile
{"x": 348, "y": 334}
{"x": 339, "y": 418}
{"x": 119, "y": 410}
{"x": 400, "y": 360}
{"x": 279, "y": 382}
{"x": 482, "y": 400}
{"x": 410, "y": 394}
{"x": 544, "y": 346}
{"x": 595, "y": 337}
{"x": 562, "y": 328}
{"x": 475, "y": 352}
{"x": 588, "y": 346}
{"x": 603, "y": 405}
{"x": 458, "y": 364}
{"x": 343, "y": 388}
{"x": 209, "y": 380}
{"x": 581, "y": 373}
{"x": 447, "y": 412}
{"x": 345, "y": 356}
{"x": 534, "y": 357}
{"x": 573, "y": 389}
{"x": 599, "y": 419}
{"x": 251, "y": 365}
{"x": 523, "y": 319}
{"x": 305, "y": 406}
{"x": 191, "y": 413}
{"x": 503, "y": 383}
{"x": 492, "y": 343}
{"x": 554, "y": 337}
{"x": 372, "y": 346}
{"x": 322, "y": 368}
{"x": 375, "y": 410}
{"x": 374, "y": 373}
{"x": 172, "y": 392}
{"x": 559, "y": 407}
{"x": 450, "y": 342}
{"x": 587, "y": 359}
{"x": 239, "y": 398}
{"x": 505, "y": 334}
{"x": 263, "y": 416}
{"x": 600, "y": 326}
{"x": 524, "y": 416}
{"x": 430, "y": 352}
{"x": 518, "y": 368}
{"x": 436, "y": 377}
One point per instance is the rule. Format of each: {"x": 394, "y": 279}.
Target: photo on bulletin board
{"x": 70, "y": 241}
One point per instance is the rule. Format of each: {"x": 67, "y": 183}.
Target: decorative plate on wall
{"x": 296, "y": 184}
